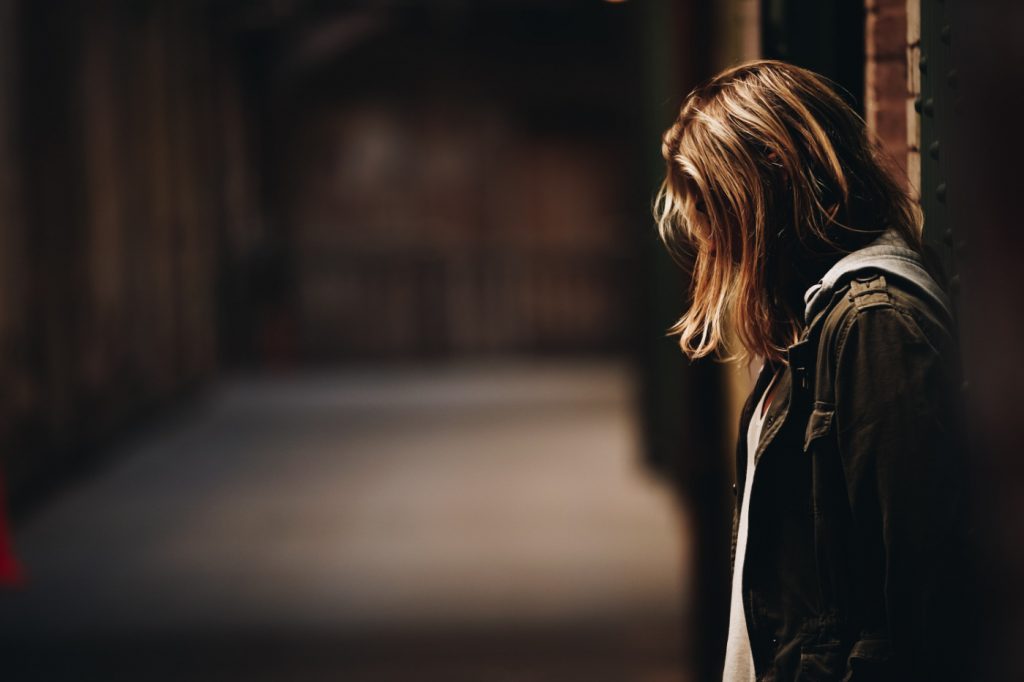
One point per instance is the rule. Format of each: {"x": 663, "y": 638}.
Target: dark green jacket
{"x": 858, "y": 563}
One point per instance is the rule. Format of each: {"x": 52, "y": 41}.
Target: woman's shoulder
{"x": 881, "y": 305}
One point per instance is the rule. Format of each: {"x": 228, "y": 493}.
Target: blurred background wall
{"x": 115, "y": 205}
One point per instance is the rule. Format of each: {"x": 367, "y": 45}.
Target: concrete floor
{"x": 487, "y": 522}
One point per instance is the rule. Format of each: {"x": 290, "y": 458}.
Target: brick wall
{"x": 891, "y": 36}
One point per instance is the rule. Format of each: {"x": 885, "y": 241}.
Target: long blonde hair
{"x": 770, "y": 177}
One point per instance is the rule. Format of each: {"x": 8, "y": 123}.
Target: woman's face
{"x": 710, "y": 241}
{"x": 699, "y": 221}
{"x": 707, "y": 235}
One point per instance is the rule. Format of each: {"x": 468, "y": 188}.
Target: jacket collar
{"x": 888, "y": 253}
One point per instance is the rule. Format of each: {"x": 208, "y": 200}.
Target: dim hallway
{"x": 476, "y": 522}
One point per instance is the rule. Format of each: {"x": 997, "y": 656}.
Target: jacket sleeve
{"x": 898, "y": 433}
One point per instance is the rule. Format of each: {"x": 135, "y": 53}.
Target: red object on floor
{"x": 10, "y": 570}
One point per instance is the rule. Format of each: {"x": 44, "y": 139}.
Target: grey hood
{"x": 888, "y": 253}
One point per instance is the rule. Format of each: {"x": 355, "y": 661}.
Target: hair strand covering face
{"x": 768, "y": 168}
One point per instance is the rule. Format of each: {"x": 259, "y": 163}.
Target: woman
{"x": 851, "y": 519}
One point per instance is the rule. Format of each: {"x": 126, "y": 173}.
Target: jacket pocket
{"x": 818, "y": 424}
{"x": 821, "y": 661}
{"x": 871, "y": 660}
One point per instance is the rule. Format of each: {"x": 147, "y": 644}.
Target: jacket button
{"x": 734, "y": 489}
{"x": 775, "y": 641}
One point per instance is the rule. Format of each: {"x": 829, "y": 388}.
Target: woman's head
{"x": 770, "y": 178}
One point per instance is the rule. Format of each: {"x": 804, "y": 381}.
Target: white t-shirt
{"x": 739, "y": 661}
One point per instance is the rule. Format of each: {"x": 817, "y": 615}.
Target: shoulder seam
{"x": 844, "y": 332}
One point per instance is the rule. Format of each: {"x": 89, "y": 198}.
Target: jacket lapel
{"x": 763, "y": 377}
{"x": 777, "y": 412}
